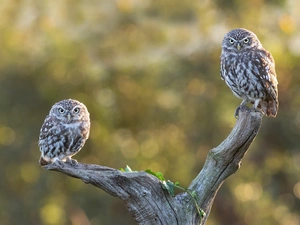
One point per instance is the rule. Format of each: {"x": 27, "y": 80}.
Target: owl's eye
{"x": 246, "y": 40}
{"x": 76, "y": 110}
{"x": 61, "y": 110}
{"x": 231, "y": 41}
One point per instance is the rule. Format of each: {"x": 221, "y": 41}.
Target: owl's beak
{"x": 69, "y": 116}
{"x": 238, "y": 46}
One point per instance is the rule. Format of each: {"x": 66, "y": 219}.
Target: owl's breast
{"x": 242, "y": 75}
{"x": 78, "y": 128}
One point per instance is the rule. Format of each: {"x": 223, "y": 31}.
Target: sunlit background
{"x": 148, "y": 72}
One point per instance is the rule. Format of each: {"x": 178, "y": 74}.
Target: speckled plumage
{"x": 64, "y": 131}
{"x": 249, "y": 70}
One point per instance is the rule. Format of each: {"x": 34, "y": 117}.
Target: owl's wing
{"x": 46, "y": 128}
{"x": 266, "y": 72}
{"x": 223, "y": 68}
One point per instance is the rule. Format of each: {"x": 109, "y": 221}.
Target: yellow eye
{"x": 231, "y": 41}
{"x": 246, "y": 40}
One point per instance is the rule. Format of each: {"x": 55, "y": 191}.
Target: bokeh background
{"x": 148, "y": 72}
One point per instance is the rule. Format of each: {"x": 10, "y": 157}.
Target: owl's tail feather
{"x": 268, "y": 108}
{"x": 43, "y": 162}
{"x": 272, "y": 108}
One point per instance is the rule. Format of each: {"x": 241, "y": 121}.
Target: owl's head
{"x": 70, "y": 110}
{"x": 240, "y": 39}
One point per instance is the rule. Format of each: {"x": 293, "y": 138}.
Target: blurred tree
{"x": 149, "y": 73}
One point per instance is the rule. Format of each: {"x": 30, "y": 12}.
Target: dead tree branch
{"x": 143, "y": 195}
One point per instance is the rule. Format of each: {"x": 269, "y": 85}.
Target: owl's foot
{"x": 243, "y": 108}
{"x": 71, "y": 161}
{"x": 254, "y": 109}
{"x": 43, "y": 161}
{"x": 237, "y": 110}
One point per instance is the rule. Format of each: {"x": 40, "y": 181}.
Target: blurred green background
{"x": 148, "y": 72}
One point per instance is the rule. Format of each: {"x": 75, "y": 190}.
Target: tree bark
{"x": 143, "y": 195}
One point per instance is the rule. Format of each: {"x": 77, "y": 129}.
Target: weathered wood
{"x": 142, "y": 193}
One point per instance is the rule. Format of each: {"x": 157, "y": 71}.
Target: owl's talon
{"x": 71, "y": 161}
{"x": 236, "y": 113}
{"x": 74, "y": 162}
{"x": 254, "y": 109}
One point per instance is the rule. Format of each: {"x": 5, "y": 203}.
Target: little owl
{"x": 249, "y": 70}
{"x": 64, "y": 131}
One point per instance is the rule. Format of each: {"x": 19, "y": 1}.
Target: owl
{"x": 64, "y": 132}
{"x": 249, "y": 70}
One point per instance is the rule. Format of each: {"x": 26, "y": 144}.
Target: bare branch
{"x": 143, "y": 194}
{"x": 225, "y": 159}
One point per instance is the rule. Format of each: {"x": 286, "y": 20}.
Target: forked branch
{"x": 142, "y": 193}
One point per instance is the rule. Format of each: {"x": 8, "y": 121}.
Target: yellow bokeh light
{"x": 128, "y": 145}
{"x": 282, "y": 214}
{"x": 287, "y": 24}
{"x": 154, "y": 166}
{"x": 130, "y": 149}
{"x": 149, "y": 148}
{"x": 52, "y": 214}
{"x": 274, "y": 163}
{"x": 297, "y": 189}
{"x": 29, "y": 172}
{"x": 125, "y": 5}
{"x": 196, "y": 86}
{"x": 248, "y": 191}
{"x": 168, "y": 99}
{"x": 290, "y": 219}
{"x": 7, "y": 135}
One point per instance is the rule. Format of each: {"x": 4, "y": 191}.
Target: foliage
{"x": 170, "y": 187}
